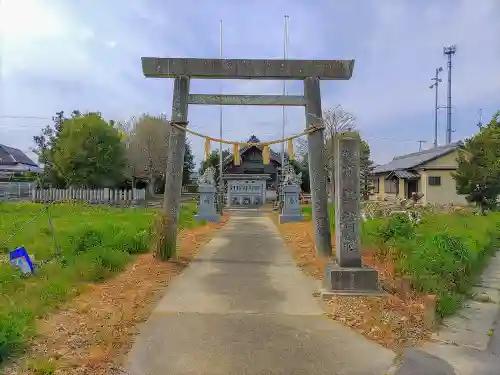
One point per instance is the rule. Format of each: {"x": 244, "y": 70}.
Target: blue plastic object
{"x": 19, "y": 258}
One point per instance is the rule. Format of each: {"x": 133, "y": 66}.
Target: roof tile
{"x": 415, "y": 159}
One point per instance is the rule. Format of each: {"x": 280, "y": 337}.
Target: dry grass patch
{"x": 92, "y": 333}
{"x": 394, "y": 321}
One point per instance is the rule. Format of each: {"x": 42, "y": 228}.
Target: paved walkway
{"x": 470, "y": 340}
{"x": 468, "y": 343}
{"x": 243, "y": 307}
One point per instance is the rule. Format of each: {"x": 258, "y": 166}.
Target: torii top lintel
{"x": 247, "y": 69}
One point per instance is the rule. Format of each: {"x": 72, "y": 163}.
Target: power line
{"x": 26, "y": 117}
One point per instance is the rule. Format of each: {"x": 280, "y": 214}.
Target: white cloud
{"x": 406, "y": 45}
{"x": 88, "y": 55}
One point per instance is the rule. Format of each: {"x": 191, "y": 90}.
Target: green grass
{"x": 443, "y": 254}
{"x": 307, "y": 213}
{"x": 95, "y": 242}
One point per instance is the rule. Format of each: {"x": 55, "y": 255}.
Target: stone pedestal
{"x": 350, "y": 280}
{"x": 291, "y": 208}
{"x": 206, "y": 209}
{"x": 348, "y": 276}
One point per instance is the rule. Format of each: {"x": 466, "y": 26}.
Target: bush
{"x": 442, "y": 255}
{"x": 95, "y": 242}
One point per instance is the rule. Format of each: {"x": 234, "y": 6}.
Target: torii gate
{"x": 310, "y": 71}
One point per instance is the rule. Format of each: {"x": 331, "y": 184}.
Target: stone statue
{"x": 290, "y": 177}
{"x": 208, "y": 177}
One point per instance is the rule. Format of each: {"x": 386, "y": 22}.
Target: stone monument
{"x": 348, "y": 275}
{"x": 206, "y": 188}
{"x": 291, "y": 192}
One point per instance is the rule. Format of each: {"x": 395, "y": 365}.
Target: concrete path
{"x": 243, "y": 307}
{"x": 468, "y": 343}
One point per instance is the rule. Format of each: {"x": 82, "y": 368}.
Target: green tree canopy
{"x": 478, "y": 172}
{"x": 88, "y": 151}
{"x": 188, "y": 164}
{"x": 213, "y": 161}
{"x": 365, "y": 169}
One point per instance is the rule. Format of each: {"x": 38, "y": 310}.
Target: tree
{"x": 214, "y": 161}
{"x": 146, "y": 139}
{"x": 88, "y": 152}
{"x": 478, "y": 171}
{"x": 366, "y": 168}
{"x": 335, "y": 121}
{"x": 188, "y": 164}
{"x": 44, "y": 147}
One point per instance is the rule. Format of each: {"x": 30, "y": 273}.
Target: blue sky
{"x": 85, "y": 54}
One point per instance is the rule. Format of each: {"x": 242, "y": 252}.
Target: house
{"x": 252, "y": 183}
{"x": 428, "y": 172}
{"x": 13, "y": 160}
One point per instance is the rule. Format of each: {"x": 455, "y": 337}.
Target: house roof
{"x": 402, "y": 174}
{"x": 413, "y": 160}
{"x": 14, "y": 156}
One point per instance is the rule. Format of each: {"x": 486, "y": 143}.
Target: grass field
{"x": 443, "y": 254}
{"x": 94, "y": 242}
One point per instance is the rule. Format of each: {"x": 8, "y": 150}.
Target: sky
{"x": 86, "y": 55}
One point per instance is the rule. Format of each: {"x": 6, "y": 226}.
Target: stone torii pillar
{"x": 309, "y": 71}
{"x": 317, "y": 172}
{"x": 175, "y": 162}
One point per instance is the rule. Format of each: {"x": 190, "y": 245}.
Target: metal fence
{"x": 15, "y": 190}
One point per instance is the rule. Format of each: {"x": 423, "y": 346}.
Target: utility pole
{"x": 435, "y": 85}
{"x": 480, "y": 122}
{"x": 420, "y": 145}
{"x": 221, "y": 163}
{"x": 283, "y": 114}
{"x": 449, "y": 51}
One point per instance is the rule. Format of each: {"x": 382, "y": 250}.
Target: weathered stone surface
{"x": 275, "y": 100}
{"x": 206, "y": 209}
{"x": 241, "y": 69}
{"x": 346, "y": 280}
{"x": 291, "y": 208}
{"x": 317, "y": 173}
{"x": 347, "y": 205}
{"x": 175, "y": 161}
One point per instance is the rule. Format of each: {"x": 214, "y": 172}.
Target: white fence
{"x": 93, "y": 196}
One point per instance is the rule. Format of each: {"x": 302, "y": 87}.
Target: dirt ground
{"x": 394, "y": 321}
{"x": 92, "y": 333}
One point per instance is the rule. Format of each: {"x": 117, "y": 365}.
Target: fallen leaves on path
{"x": 393, "y": 321}
{"x": 92, "y": 333}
